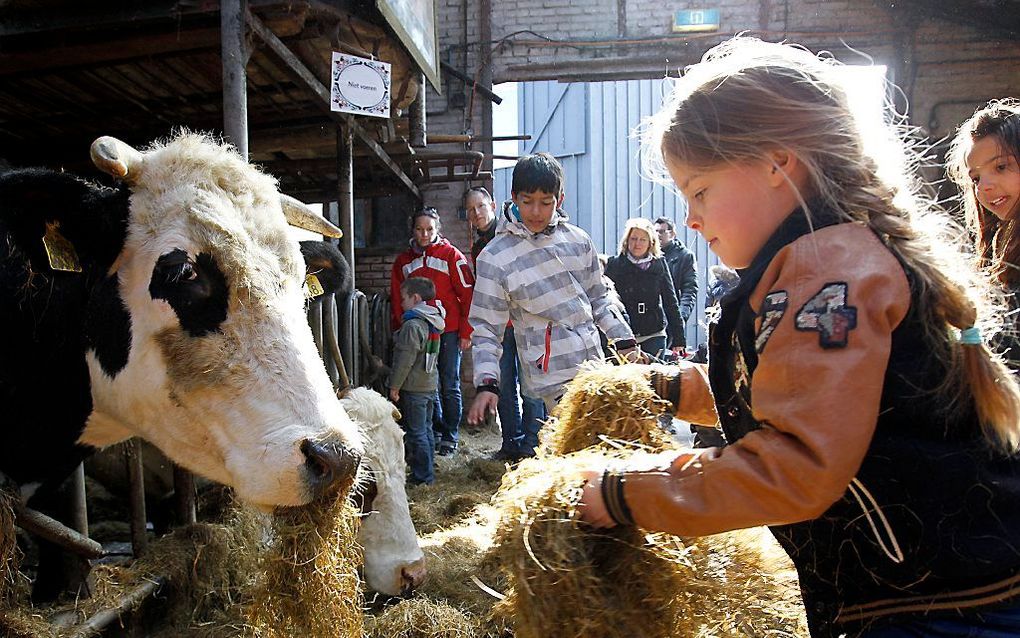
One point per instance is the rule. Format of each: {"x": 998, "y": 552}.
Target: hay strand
{"x": 422, "y": 618}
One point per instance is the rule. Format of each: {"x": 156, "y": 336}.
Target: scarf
{"x": 432, "y": 345}
{"x": 642, "y": 263}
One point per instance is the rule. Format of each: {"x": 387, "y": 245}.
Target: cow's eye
{"x": 195, "y": 289}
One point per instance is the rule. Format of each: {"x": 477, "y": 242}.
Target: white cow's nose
{"x": 329, "y": 465}
{"x": 412, "y": 576}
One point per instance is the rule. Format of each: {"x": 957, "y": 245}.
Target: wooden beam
{"x": 107, "y": 52}
{"x": 301, "y": 72}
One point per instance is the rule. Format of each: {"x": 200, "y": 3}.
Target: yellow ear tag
{"x": 312, "y": 286}
{"x": 59, "y": 250}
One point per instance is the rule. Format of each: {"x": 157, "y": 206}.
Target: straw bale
{"x": 422, "y": 618}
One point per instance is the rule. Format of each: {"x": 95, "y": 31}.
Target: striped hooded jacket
{"x": 550, "y": 285}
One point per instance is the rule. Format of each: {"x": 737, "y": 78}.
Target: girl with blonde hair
{"x": 868, "y": 422}
{"x": 643, "y": 281}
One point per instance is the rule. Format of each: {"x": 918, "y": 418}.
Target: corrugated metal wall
{"x": 589, "y": 128}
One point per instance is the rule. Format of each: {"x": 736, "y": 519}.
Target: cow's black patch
{"x": 196, "y": 290}
{"x": 108, "y": 326}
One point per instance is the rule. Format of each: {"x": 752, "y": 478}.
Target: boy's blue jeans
{"x": 997, "y": 623}
{"x": 448, "y": 409}
{"x": 520, "y": 431}
{"x": 419, "y": 443}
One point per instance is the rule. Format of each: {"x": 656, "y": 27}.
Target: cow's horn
{"x": 298, "y": 214}
{"x": 112, "y": 156}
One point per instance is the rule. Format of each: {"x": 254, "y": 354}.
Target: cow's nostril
{"x": 328, "y": 465}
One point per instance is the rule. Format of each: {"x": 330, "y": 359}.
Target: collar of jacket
{"x": 508, "y": 224}
{"x": 419, "y": 250}
{"x": 796, "y": 225}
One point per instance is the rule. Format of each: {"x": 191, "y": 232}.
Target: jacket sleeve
{"x": 490, "y": 310}
{"x": 817, "y": 399}
{"x": 675, "y": 323}
{"x": 687, "y": 285}
{"x": 463, "y": 287}
{"x": 410, "y": 341}
{"x": 396, "y": 278}
{"x": 606, "y": 315}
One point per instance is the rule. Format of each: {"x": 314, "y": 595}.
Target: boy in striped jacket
{"x": 544, "y": 274}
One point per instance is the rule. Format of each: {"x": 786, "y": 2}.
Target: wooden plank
{"x": 107, "y": 52}
{"x": 301, "y": 72}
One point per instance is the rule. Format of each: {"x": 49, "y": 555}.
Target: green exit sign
{"x": 695, "y": 20}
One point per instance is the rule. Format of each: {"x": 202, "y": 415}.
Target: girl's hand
{"x": 591, "y": 508}
{"x": 395, "y": 395}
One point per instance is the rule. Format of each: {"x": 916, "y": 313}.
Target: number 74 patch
{"x": 828, "y": 314}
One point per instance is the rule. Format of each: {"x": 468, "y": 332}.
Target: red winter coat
{"x": 448, "y": 269}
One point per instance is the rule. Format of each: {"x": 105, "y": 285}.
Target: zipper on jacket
{"x": 548, "y": 347}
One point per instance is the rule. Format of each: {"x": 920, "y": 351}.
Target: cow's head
{"x": 197, "y": 338}
{"x": 394, "y": 562}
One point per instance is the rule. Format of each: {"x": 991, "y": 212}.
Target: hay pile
{"x": 421, "y": 618}
{"x": 294, "y": 574}
{"x": 310, "y": 585}
{"x": 567, "y": 579}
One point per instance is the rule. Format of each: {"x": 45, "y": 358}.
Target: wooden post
{"x": 234, "y": 53}
{"x": 417, "y": 128}
{"x": 184, "y": 495}
{"x": 136, "y": 496}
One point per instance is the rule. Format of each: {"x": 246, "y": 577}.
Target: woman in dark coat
{"x": 644, "y": 284}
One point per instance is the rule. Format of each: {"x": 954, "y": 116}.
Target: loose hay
{"x": 9, "y": 554}
{"x": 421, "y": 618}
{"x": 570, "y": 580}
{"x": 606, "y": 402}
{"x": 310, "y": 585}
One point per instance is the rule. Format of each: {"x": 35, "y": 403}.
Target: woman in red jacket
{"x": 432, "y": 256}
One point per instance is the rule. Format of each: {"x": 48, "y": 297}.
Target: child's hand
{"x": 484, "y": 403}
{"x": 465, "y": 344}
{"x": 633, "y": 355}
{"x": 395, "y": 395}
{"x": 591, "y": 508}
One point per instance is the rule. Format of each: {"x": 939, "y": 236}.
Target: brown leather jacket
{"x": 822, "y": 379}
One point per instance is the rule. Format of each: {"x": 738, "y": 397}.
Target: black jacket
{"x": 683, "y": 268}
{"x": 649, "y": 297}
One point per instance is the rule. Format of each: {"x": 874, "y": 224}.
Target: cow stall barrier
{"x": 353, "y": 338}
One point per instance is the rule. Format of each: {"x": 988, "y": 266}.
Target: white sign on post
{"x": 360, "y": 86}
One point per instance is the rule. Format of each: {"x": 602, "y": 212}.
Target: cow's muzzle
{"x": 329, "y": 466}
{"x": 412, "y": 576}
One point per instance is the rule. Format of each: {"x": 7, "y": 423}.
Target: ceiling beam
{"x": 298, "y": 69}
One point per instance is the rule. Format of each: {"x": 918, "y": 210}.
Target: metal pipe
{"x": 345, "y": 193}
{"x": 467, "y": 79}
{"x": 234, "y": 53}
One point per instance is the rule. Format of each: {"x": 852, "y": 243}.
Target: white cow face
{"x": 200, "y": 343}
{"x": 394, "y": 563}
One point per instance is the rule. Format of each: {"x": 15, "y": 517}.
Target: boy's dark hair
{"x": 538, "y": 172}
{"x": 667, "y": 221}
{"x": 429, "y": 212}
{"x": 421, "y": 286}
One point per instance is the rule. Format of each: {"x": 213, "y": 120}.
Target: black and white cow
{"x": 185, "y": 325}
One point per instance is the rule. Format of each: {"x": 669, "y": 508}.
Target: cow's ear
{"x": 325, "y": 261}
{"x": 92, "y": 218}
